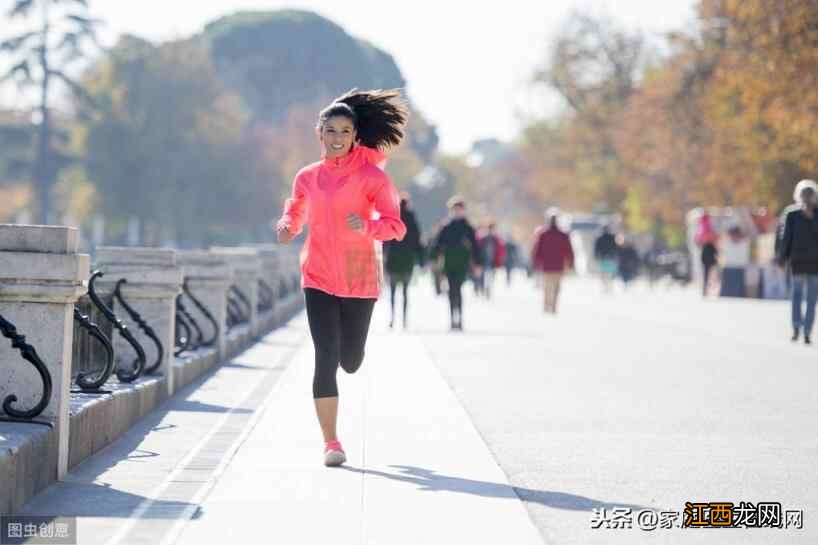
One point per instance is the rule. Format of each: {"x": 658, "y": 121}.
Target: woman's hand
{"x": 284, "y": 234}
{"x": 355, "y": 222}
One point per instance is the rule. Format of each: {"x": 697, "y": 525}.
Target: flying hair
{"x": 378, "y": 115}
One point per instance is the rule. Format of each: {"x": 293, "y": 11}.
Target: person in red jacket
{"x": 350, "y": 205}
{"x": 553, "y": 256}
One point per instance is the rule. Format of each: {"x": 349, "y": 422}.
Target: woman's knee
{"x": 351, "y": 361}
{"x": 324, "y": 387}
{"x": 324, "y": 383}
{"x": 326, "y": 367}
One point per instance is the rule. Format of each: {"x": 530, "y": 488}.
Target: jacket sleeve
{"x": 569, "y": 252}
{"x": 477, "y": 251}
{"x": 387, "y": 203}
{"x": 296, "y": 207}
{"x": 414, "y": 230}
{"x": 535, "y": 250}
{"x": 436, "y": 246}
{"x": 785, "y": 249}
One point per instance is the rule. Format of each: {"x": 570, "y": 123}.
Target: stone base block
{"x": 28, "y": 463}
{"x": 98, "y": 420}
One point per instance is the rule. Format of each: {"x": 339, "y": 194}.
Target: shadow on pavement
{"x": 199, "y": 407}
{"x": 103, "y": 500}
{"x": 443, "y": 332}
{"x": 236, "y": 365}
{"x": 431, "y": 481}
{"x": 268, "y": 342}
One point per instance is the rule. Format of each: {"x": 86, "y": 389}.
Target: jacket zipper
{"x": 332, "y": 227}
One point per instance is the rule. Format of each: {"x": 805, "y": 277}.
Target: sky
{"x": 467, "y": 65}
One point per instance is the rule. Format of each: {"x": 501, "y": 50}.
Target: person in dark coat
{"x": 628, "y": 260}
{"x": 401, "y": 258}
{"x": 606, "y": 253}
{"x": 457, "y": 252}
{"x": 799, "y": 249}
{"x": 511, "y": 258}
{"x": 436, "y": 270}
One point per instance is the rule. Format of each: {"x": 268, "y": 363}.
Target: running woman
{"x": 341, "y": 272}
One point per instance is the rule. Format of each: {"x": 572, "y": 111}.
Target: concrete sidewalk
{"x": 417, "y": 470}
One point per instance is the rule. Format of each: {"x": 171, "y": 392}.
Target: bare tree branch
{"x": 22, "y": 67}
{"x": 13, "y": 44}
{"x": 75, "y": 87}
{"x": 21, "y": 8}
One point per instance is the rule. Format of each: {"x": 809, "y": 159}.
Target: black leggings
{"x": 706, "y": 279}
{"x": 455, "y": 282}
{"x": 403, "y": 280}
{"x": 339, "y": 326}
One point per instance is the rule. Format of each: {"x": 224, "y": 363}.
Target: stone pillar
{"x": 291, "y": 267}
{"x": 270, "y": 270}
{"x": 41, "y": 278}
{"x": 281, "y": 265}
{"x": 209, "y": 277}
{"x": 246, "y": 266}
{"x": 153, "y": 281}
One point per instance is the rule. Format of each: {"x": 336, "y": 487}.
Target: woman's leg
{"x": 356, "y": 315}
{"x": 393, "y": 285}
{"x": 452, "y": 297}
{"x": 557, "y": 285}
{"x": 706, "y": 279}
{"x": 797, "y": 299}
{"x": 324, "y": 317}
{"x": 406, "y": 298}
{"x": 548, "y": 289}
{"x": 456, "y": 290}
{"x": 811, "y": 295}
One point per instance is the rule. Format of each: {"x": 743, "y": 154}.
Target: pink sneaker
{"x": 333, "y": 454}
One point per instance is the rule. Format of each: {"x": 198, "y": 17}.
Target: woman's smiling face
{"x": 337, "y": 136}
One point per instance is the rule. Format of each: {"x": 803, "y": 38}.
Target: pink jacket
{"x": 335, "y": 259}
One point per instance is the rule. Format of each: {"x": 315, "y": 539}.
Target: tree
{"x": 595, "y": 67}
{"x": 665, "y": 138}
{"x": 42, "y": 56}
{"x": 285, "y": 58}
{"x": 764, "y": 96}
{"x": 288, "y": 64}
{"x": 169, "y": 144}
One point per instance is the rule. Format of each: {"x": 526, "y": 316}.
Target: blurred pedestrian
{"x": 710, "y": 259}
{"x": 493, "y": 251}
{"x": 628, "y": 260}
{"x": 401, "y": 258}
{"x": 606, "y": 253}
{"x": 435, "y": 267}
{"x": 512, "y": 255}
{"x": 799, "y": 249}
{"x": 552, "y": 256}
{"x": 457, "y": 253}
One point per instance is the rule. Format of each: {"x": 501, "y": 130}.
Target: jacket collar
{"x": 357, "y": 157}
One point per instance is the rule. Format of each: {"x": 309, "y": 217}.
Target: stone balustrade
{"x": 46, "y": 426}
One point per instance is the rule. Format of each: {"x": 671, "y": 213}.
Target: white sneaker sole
{"x": 334, "y": 458}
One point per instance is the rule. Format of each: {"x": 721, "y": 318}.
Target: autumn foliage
{"x": 727, "y": 114}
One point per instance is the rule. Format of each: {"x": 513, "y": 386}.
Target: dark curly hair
{"x": 378, "y": 115}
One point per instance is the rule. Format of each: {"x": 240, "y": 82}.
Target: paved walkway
{"x": 237, "y": 458}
